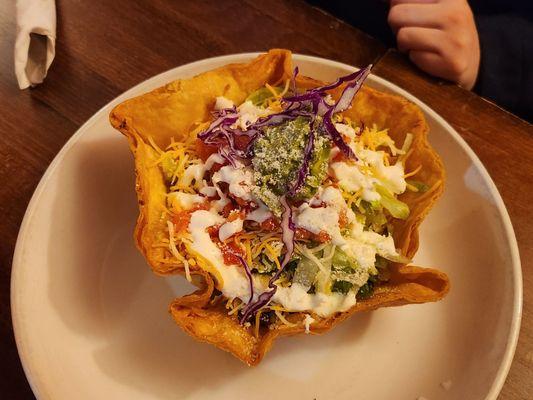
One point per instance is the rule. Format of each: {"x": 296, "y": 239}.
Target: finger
{"x": 395, "y": 2}
{"x": 420, "y": 15}
{"x": 421, "y": 39}
{"x": 434, "y": 64}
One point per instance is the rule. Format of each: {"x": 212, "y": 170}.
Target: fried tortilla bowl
{"x": 179, "y": 108}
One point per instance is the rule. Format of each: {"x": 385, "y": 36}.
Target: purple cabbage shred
{"x": 288, "y": 233}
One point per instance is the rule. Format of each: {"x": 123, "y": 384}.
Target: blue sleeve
{"x": 506, "y": 67}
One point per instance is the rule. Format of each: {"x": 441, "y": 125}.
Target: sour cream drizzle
{"x": 320, "y": 214}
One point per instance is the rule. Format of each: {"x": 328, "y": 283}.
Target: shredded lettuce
{"x": 398, "y": 209}
{"x": 421, "y": 186}
{"x": 260, "y": 96}
{"x": 365, "y": 291}
{"x": 305, "y": 273}
{"x": 168, "y": 166}
{"x": 342, "y": 261}
{"x": 318, "y": 169}
{"x": 265, "y": 265}
{"x": 341, "y": 287}
{"x": 374, "y": 217}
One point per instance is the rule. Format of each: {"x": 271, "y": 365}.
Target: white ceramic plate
{"x": 91, "y": 320}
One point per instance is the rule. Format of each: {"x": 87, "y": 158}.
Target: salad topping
{"x": 286, "y": 202}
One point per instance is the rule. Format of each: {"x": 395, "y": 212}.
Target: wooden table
{"x": 105, "y": 47}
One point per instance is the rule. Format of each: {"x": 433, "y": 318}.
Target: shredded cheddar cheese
{"x": 413, "y": 172}
{"x": 181, "y": 160}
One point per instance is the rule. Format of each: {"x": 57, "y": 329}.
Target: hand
{"x": 440, "y": 37}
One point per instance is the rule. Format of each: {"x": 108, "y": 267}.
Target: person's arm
{"x": 440, "y": 37}
{"x": 506, "y": 68}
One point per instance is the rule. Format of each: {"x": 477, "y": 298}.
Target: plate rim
{"x": 512, "y": 339}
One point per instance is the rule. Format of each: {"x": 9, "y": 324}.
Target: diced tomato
{"x": 205, "y": 150}
{"x": 339, "y": 157}
{"x": 304, "y": 234}
{"x": 230, "y": 251}
{"x": 228, "y": 208}
{"x": 343, "y": 219}
{"x": 322, "y": 237}
{"x": 200, "y": 206}
{"x": 241, "y": 142}
{"x": 181, "y": 221}
{"x": 213, "y": 232}
{"x": 236, "y": 214}
{"x": 238, "y": 200}
{"x": 216, "y": 167}
{"x": 270, "y": 225}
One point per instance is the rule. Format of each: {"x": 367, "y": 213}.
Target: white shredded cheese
{"x": 194, "y": 172}
{"x": 223, "y": 102}
{"x": 308, "y": 320}
{"x": 187, "y": 270}
{"x": 248, "y": 114}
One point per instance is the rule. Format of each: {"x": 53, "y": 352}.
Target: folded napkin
{"x": 36, "y": 40}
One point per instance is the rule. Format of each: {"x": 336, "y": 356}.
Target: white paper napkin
{"x": 36, "y": 40}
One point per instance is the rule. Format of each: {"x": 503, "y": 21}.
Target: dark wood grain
{"x": 105, "y": 47}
